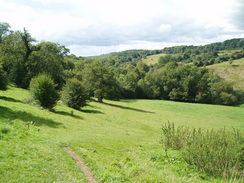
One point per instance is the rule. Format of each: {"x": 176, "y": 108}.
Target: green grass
{"x": 231, "y": 72}
{"x": 152, "y": 59}
{"x": 119, "y": 140}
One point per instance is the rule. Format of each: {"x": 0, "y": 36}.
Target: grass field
{"x": 118, "y": 140}
{"x": 152, "y": 59}
{"x": 231, "y": 72}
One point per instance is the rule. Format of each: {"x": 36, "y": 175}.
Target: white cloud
{"x": 98, "y": 25}
{"x": 165, "y": 28}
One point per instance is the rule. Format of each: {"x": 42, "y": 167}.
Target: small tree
{"x": 43, "y": 90}
{"x": 74, "y": 94}
{"x": 3, "y": 80}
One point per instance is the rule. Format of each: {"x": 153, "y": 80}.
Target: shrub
{"x": 3, "y": 80}
{"x": 174, "y": 137}
{"x": 74, "y": 94}
{"x": 43, "y": 90}
{"x": 215, "y": 152}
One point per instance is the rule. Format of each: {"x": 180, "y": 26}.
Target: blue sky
{"x": 93, "y": 27}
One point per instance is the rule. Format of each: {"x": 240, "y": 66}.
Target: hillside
{"x": 152, "y": 59}
{"x": 119, "y": 140}
{"x": 185, "y": 53}
{"x": 231, "y": 72}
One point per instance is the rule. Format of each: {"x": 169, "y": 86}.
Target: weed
{"x": 215, "y": 152}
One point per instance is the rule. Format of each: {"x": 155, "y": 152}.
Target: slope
{"x": 231, "y": 72}
{"x": 118, "y": 140}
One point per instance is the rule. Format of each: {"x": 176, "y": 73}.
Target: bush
{"x": 43, "y": 90}
{"x": 3, "y": 80}
{"x": 174, "y": 137}
{"x": 215, "y": 152}
{"x": 74, "y": 94}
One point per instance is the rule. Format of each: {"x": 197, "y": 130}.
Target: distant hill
{"x": 184, "y": 53}
{"x": 127, "y": 56}
{"x": 231, "y": 72}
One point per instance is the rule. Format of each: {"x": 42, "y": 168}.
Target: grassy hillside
{"x": 119, "y": 140}
{"x": 231, "y": 72}
{"x": 152, "y": 59}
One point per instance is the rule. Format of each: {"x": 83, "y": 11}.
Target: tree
{"x": 74, "y": 94}
{"x": 22, "y": 60}
{"x": 4, "y": 29}
{"x": 165, "y": 59}
{"x": 20, "y": 70}
{"x": 43, "y": 90}
{"x": 15, "y": 51}
{"x": 3, "y": 79}
{"x": 27, "y": 41}
{"x": 128, "y": 83}
{"x": 48, "y": 59}
{"x": 99, "y": 80}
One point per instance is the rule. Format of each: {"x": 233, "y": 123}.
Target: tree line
{"x": 52, "y": 73}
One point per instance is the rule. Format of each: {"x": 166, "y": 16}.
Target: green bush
{"x": 43, "y": 90}
{"x": 174, "y": 137}
{"x": 3, "y": 80}
{"x": 215, "y": 152}
{"x": 74, "y": 94}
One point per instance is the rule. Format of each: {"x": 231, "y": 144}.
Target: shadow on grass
{"x": 26, "y": 117}
{"x": 9, "y": 99}
{"x": 68, "y": 114}
{"x": 128, "y": 108}
{"x": 91, "y": 111}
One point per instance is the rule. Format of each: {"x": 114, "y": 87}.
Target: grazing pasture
{"x": 118, "y": 140}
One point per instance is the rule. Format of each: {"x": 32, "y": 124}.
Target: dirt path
{"x": 81, "y": 165}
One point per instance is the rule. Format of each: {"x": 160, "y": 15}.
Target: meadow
{"x": 152, "y": 59}
{"x": 118, "y": 140}
{"x": 233, "y": 73}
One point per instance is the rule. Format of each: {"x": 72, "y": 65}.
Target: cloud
{"x": 238, "y": 15}
{"x": 110, "y": 25}
{"x": 165, "y": 28}
{"x": 85, "y": 50}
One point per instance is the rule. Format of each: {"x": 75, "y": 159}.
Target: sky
{"x": 95, "y": 27}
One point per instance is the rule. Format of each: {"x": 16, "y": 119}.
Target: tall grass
{"x": 215, "y": 152}
{"x": 174, "y": 137}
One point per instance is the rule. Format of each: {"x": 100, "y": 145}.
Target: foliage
{"x": 43, "y": 90}
{"x": 4, "y": 30}
{"x": 122, "y": 74}
{"x": 74, "y": 94}
{"x": 99, "y": 80}
{"x": 126, "y": 56}
{"x": 228, "y": 44}
{"x": 174, "y": 137}
{"x": 215, "y": 152}
{"x": 187, "y": 83}
{"x": 23, "y": 60}
{"x": 48, "y": 59}
{"x": 3, "y": 79}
